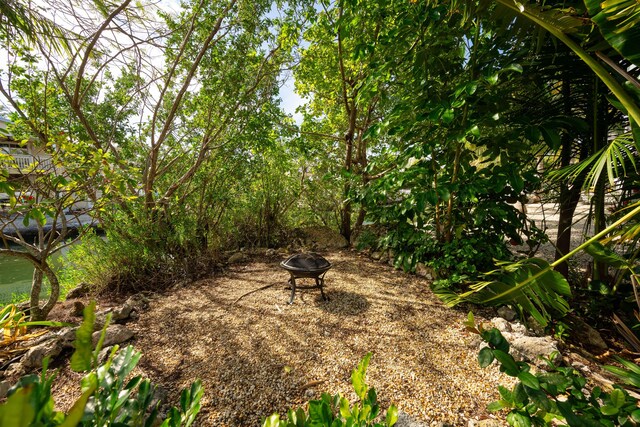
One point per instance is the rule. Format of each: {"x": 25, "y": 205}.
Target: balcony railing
{"x": 26, "y": 163}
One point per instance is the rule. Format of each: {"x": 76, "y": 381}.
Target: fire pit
{"x": 309, "y": 265}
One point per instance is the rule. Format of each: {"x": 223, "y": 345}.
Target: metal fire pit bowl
{"x": 308, "y": 265}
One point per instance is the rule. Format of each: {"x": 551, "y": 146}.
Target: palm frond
{"x": 619, "y": 23}
{"x": 530, "y": 283}
{"x": 615, "y": 158}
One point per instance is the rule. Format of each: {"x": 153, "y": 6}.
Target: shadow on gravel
{"x": 343, "y": 302}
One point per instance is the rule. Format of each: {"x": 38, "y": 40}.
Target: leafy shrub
{"x": 107, "y": 399}
{"x": 453, "y": 262}
{"x": 559, "y": 393}
{"x": 335, "y": 411}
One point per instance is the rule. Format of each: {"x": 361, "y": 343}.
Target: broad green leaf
{"x": 617, "y": 398}
{"x": 82, "y": 356}
{"x": 485, "y": 357}
{"x": 392, "y": 416}
{"x": 507, "y": 362}
{"x": 605, "y": 255}
{"x": 18, "y": 411}
{"x": 609, "y": 410}
{"x": 529, "y": 380}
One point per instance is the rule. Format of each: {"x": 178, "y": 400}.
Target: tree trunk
{"x": 345, "y": 226}
{"x": 34, "y": 303}
{"x": 40, "y": 271}
{"x": 569, "y": 192}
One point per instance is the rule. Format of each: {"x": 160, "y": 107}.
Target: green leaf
{"x": 345, "y": 410}
{"x": 18, "y": 411}
{"x": 497, "y": 405}
{"x": 358, "y": 377}
{"x": 529, "y": 380}
{"x": 517, "y": 419}
{"x": 508, "y": 363}
{"x": 608, "y": 410}
{"x": 514, "y": 67}
{"x": 82, "y": 356}
{"x": 605, "y": 255}
{"x": 392, "y": 416}
{"x": 617, "y": 398}
{"x": 485, "y": 357}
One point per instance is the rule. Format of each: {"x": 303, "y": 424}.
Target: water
{"x": 16, "y": 274}
{"x": 15, "y": 277}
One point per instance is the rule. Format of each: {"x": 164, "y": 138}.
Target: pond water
{"x": 16, "y": 274}
{"x": 15, "y": 277}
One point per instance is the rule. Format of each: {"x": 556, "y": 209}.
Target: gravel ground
{"x": 261, "y": 355}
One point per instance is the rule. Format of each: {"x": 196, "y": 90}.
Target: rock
{"x": 424, "y": 271}
{"x": 384, "y": 258}
{"x": 507, "y": 313}
{"x": 121, "y": 314}
{"x": 33, "y": 358}
{"x": 236, "y": 258}
{"x": 14, "y": 370}
{"x": 501, "y": 324}
{"x": 405, "y": 420}
{"x": 67, "y": 336}
{"x": 116, "y": 334}
{"x": 271, "y": 252}
{"x": 323, "y": 237}
{"x": 585, "y": 334}
{"x": 530, "y": 348}
{"x": 78, "y": 309}
{"x": 4, "y": 388}
{"x": 104, "y": 354}
{"x": 518, "y": 328}
{"x": 79, "y": 291}
{"x": 534, "y": 327}
{"x": 139, "y": 302}
{"x": 309, "y": 393}
{"x": 376, "y": 255}
{"x": 533, "y": 198}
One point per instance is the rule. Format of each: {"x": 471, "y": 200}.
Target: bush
{"x": 335, "y": 411}
{"x": 560, "y": 393}
{"x": 108, "y": 398}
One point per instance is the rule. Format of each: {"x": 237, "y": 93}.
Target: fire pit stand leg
{"x": 320, "y": 284}
{"x": 292, "y": 283}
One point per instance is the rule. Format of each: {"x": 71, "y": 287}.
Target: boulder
{"x": 236, "y": 258}
{"x": 78, "y": 309}
{"x": 507, "y": 313}
{"x": 67, "y": 336}
{"x": 33, "y": 358}
{"x": 424, "y": 271}
{"x": 501, "y": 324}
{"x": 585, "y": 334}
{"x": 322, "y": 237}
{"x": 531, "y": 348}
{"x": 405, "y": 420}
{"x": 79, "y": 291}
{"x": 116, "y": 334}
{"x": 120, "y": 314}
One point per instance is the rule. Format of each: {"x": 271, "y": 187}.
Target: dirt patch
{"x": 261, "y": 355}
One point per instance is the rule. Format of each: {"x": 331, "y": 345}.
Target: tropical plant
{"x": 557, "y": 394}
{"x": 109, "y": 396}
{"x": 336, "y": 411}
